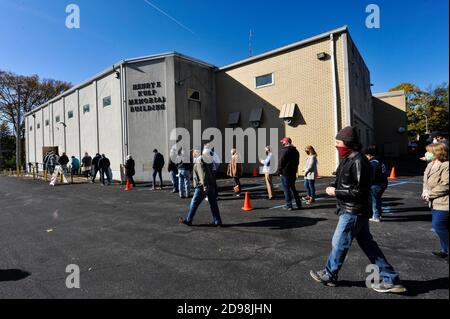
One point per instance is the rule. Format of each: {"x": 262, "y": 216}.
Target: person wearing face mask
{"x": 352, "y": 191}
{"x": 436, "y": 193}
{"x": 266, "y": 171}
{"x": 287, "y": 168}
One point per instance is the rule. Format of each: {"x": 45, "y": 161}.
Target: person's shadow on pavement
{"x": 13, "y": 274}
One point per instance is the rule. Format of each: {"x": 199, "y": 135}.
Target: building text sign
{"x": 147, "y": 98}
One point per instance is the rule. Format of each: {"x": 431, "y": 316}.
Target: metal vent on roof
{"x": 287, "y": 110}
{"x": 255, "y": 115}
{"x": 233, "y": 118}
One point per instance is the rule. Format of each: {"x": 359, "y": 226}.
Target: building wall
{"x": 201, "y": 78}
{"x": 88, "y": 120}
{"x": 72, "y": 127}
{"x": 39, "y": 134}
{"x": 299, "y": 78}
{"x": 109, "y": 122}
{"x": 389, "y": 116}
{"x": 361, "y": 108}
{"x": 148, "y": 130}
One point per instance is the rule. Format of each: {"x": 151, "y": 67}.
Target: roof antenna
{"x": 250, "y": 46}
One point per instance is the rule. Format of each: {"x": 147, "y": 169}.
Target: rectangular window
{"x": 86, "y": 108}
{"x": 47, "y": 122}
{"x": 264, "y": 80}
{"x": 194, "y": 95}
{"x": 106, "y": 101}
{"x": 70, "y": 114}
{"x": 38, "y": 126}
{"x": 31, "y": 128}
{"x": 57, "y": 118}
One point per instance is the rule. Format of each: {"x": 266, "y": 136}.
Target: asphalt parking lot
{"x": 130, "y": 245}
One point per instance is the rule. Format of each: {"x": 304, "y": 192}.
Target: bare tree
{"x": 20, "y": 94}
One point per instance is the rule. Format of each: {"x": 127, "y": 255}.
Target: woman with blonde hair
{"x": 266, "y": 171}
{"x": 436, "y": 192}
{"x": 235, "y": 171}
{"x": 310, "y": 172}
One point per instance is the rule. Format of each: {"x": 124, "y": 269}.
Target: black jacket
{"x": 353, "y": 181}
{"x": 63, "y": 160}
{"x": 172, "y": 167}
{"x": 288, "y": 161}
{"x": 104, "y": 163}
{"x": 95, "y": 161}
{"x": 158, "y": 161}
{"x": 129, "y": 168}
{"x": 86, "y": 161}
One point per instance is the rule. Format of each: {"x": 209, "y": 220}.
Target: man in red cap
{"x": 287, "y": 168}
{"x": 352, "y": 191}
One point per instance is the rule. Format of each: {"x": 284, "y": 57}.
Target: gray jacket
{"x": 310, "y": 169}
{"x": 202, "y": 175}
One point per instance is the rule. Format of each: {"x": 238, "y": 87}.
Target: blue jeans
{"x": 440, "y": 226}
{"x": 310, "y": 187}
{"x": 174, "y": 179}
{"x": 377, "y": 192}
{"x": 350, "y": 227}
{"x": 106, "y": 172}
{"x": 288, "y": 184}
{"x": 184, "y": 182}
{"x": 199, "y": 195}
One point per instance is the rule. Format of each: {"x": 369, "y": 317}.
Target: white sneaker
{"x": 376, "y": 220}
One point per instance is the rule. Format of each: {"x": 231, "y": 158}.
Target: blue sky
{"x": 411, "y": 45}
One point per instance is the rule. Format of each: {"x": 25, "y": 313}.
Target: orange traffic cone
{"x": 247, "y": 205}
{"x": 393, "y": 173}
{"x": 127, "y": 185}
{"x": 255, "y": 172}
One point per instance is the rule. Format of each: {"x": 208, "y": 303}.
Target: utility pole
{"x": 250, "y": 46}
{"x": 18, "y": 139}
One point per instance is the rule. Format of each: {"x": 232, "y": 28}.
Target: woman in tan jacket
{"x": 235, "y": 171}
{"x": 436, "y": 192}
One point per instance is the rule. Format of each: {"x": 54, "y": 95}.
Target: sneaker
{"x": 288, "y": 208}
{"x": 375, "y": 220}
{"x": 440, "y": 254}
{"x": 323, "y": 277}
{"x": 181, "y": 220}
{"x": 388, "y": 287}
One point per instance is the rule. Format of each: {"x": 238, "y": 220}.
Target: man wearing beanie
{"x": 352, "y": 191}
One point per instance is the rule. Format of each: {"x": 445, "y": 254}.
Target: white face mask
{"x": 435, "y": 141}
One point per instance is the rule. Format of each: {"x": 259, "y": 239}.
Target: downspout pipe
{"x": 335, "y": 89}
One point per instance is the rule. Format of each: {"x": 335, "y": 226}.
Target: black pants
{"x": 96, "y": 170}
{"x": 288, "y": 184}
{"x": 159, "y": 172}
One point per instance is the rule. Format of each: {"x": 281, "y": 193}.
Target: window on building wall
{"x": 57, "y": 119}
{"x": 47, "y": 122}
{"x": 86, "y": 108}
{"x": 38, "y": 126}
{"x": 194, "y": 95}
{"x": 264, "y": 80}
{"x": 70, "y": 114}
{"x": 106, "y": 101}
{"x": 31, "y": 128}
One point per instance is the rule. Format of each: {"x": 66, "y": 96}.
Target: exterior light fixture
{"x": 117, "y": 74}
{"x": 322, "y": 56}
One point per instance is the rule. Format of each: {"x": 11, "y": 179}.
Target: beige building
{"x": 309, "y": 90}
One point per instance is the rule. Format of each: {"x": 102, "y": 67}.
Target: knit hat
{"x": 348, "y": 135}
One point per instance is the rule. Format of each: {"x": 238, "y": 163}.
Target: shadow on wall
{"x": 235, "y": 97}
{"x": 388, "y": 119}
{"x": 13, "y": 274}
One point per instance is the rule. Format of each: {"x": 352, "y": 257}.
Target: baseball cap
{"x": 286, "y": 140}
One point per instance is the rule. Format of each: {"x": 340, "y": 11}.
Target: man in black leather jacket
{"x": 352, "y": 191}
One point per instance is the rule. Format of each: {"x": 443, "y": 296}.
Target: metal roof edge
{"x": 285, "y": 48}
